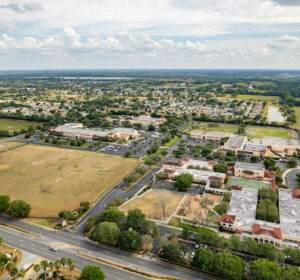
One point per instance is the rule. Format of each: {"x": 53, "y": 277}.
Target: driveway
{"x": 289, "y": 177}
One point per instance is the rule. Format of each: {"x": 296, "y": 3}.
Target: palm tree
{"x": 63, "y": 262}
{"x": 36, "y": 268}
{"x": 57, "y": 265}
{"x": 44, "y": 265}
{"x": 51, "y": 266}
{"x": 71, "y": 264}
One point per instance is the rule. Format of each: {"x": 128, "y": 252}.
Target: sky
{"x": 167, "y": 34}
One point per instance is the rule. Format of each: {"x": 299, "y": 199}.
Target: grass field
{"x": 249, "y": 184}
{"x": 256, "y": 131}
{"x": 297, "y": 124}
{"x": 52, "y": 179}
{"x": 253, "y": 97}
{"x": 148, "y": 203}
{"x": 15, "y": 125}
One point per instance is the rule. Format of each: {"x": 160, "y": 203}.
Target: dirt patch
{"x": 149, "y": 204}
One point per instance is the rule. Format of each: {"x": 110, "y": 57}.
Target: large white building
{"x": 76, "y": 130}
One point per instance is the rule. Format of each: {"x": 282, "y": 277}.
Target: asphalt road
{"x": 25, "y": 243}
{"x": 290, "y": 178}
{"x": 40, "y": 246}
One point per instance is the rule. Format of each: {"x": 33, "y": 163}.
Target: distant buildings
{"x": 76, "y": 130}
{"x": 145, "y": 120}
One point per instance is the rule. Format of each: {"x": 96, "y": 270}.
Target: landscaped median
{"x": 150, "y": 275}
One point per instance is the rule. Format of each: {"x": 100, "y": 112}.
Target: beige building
{"x": 249, "y": 170}
{"x": 241, "y": 218}
{"x": 209, "y": 135}
{"x": 76, "y": 130}
{"x": 279, "y": 145}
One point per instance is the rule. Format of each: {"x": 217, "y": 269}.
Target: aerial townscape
{"x": 144, "y": 139}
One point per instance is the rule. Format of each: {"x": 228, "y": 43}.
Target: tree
{"x": 151, "y": 127}
{"x": 173, "y": 252}
{"x": 91, "y": 272}
{"x": 183, "y": 181}
{"x": 220, "y": 167}
{"x": 254, "y": 159}
{"x": 57, "y": 265}
{"x": 129, "y": 240}
{"x": 215, "y": 184}
{"x": 70, "y": 264}
{"x": 264, "y": 269}
{"x": 292, "y": 163}
{"x": 127, "y": 154}
{"x": 230, "y": 153}
{"x": 4, "y": 203}
{"x": 106, "y": 232}
{"x": 44, "y": 265}
{"x": 19, "y": 208}
{"x": 206, "y": 151}
{"x": 36, "y": 268}
{"x": 65, "y": 214}
{"x": 163, "y": 199}
{"x": 290, "y": 273}
{"x": 229, "y": 266}
{"x": 205, "y": 203}
{"x": 85, "y": 205}
{"x": 112, "y": 214}
{"x": 134, "y": 218}
{"x": 203, "y": 259}
{"x": 269, "y": 163}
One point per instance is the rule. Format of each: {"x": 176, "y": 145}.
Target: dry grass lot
{"x": 192, "y": 205}
{"x": 52, "y": 179}
{"x": 9, "y": 145}
{"x": 148, "y": 203}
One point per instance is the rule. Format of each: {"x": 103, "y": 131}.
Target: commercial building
{"x": 76, "y": 130}
{"x": 279, "y": 145}
{"x": 249, "y": 170}
{"x": 241, "y": 218}
{"x": 209, "y": 135}
{"x": 235, "y": 143}
{"x": 146, "y": 120}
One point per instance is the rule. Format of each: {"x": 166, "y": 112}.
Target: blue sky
{"x": 53, "y": 34}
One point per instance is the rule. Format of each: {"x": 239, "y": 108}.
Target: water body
{"x": 274, "y": 115}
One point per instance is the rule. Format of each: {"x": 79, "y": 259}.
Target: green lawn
{"x": 256, "y": 131}
{"x": 15, "y": 125}
{"x": 297, "y": 125}
{"x": 249, "y": 184}
{"x": 253, "y": 97}
{"x": 172, "y": 142}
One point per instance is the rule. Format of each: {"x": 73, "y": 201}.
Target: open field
{"x": 253, "y": 97}
{"x": 9, "y": 145}
{"x": 53, "y": 179}
{"x": 191, "y": 205}
{"x": 249, "y": 184}
{"x": 149, "y": 204}
{"x": 256, "y": 131}
{"x": 297, "y": 124}
{"x": 15, "y": 125}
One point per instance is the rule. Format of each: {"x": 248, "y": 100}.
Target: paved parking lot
{"x": 137, "y": 148}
